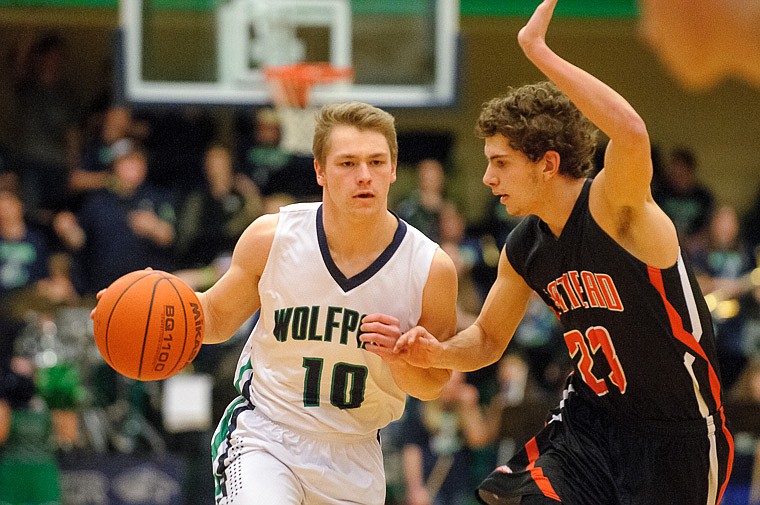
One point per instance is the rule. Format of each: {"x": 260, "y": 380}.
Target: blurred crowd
{"x": 92, "y": 191}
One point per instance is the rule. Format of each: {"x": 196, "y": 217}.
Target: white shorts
{"x": 257, "y": 461}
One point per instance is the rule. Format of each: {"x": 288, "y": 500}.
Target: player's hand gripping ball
{"x": 148, "y": 325}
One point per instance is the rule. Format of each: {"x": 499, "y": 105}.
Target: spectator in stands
{"x": 747, "y": 387}
{"x": 437, "y": 438}
{"x": 58, "y": 288}
{"x": 112, "y": 131}
{"x": 464, "y": 252}
{"x": 26, "y": 281}
{"x": 30, "y": 281}
{"x": 263, "y": 158}
{"x": 98, "y": 150}
{"x": 516, "y": 386}
{"x": 720, "y": 266}
{"x": 204, "y": 276}
{"x": 125, "y": 227}
{"x": 23, "y": 249}
{"x": 49, "y": 112}
{"x": 725, "y": 258}
{"x": 29, "y": 473}
{"x": 751, "y": 228}
{"x": 750, "y": 310}
{"x": 422, "y": 207}
{"x": 214, "y": 216}
{"x": 259, "y": 151}
{"x": 492, "y": 231}
{"x": 686, "y": 201}
{"x": 539, "y": 339}
{"x": 743, "y": 405}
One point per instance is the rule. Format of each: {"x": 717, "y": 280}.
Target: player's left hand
{"x": 379, "y": 335}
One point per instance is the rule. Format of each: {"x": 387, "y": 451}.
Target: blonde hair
{"x": 357, "y": 114}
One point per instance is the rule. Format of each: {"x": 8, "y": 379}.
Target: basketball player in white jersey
{"x": 304, "y": 429}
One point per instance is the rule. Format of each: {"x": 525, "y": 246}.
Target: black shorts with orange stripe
{"x": 585, "y": 456}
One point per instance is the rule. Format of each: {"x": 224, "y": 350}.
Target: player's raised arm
{"x": 628, "y": 166}
{"x": 235, "y": 296}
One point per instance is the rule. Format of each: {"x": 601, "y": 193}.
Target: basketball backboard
{"x": 403, "y": 52}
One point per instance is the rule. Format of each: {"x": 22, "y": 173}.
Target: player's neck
{"x": 355, "y": 242}
{"x": 559, "y": 203}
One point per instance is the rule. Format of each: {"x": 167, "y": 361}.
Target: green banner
{"x": 569, "y": 8}
{"x": 492, "y": 8}
{"x": 390, "y": 7}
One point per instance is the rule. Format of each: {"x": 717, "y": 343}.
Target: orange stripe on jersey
{"x": 531, "y": 448}
{"x": 676, "y": 324}
{"x": 730, "y": 465}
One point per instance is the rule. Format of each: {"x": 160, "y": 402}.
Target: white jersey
{"x": 303, "y": 365}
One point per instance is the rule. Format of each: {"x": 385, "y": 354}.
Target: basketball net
{"x": 290, "y": 87}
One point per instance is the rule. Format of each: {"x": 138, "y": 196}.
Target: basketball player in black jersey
{"x": 641, "y": 420}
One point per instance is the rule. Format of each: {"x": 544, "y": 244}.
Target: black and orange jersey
{"x": 641, "y": 338}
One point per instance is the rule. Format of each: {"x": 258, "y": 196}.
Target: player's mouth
{"x": 364, "y": 194}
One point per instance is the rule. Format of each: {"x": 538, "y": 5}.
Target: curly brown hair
{"x": 537, "y": 118}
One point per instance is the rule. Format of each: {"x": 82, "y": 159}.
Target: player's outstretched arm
{"x": 235, "y": 296}
{"x": 628, "y": 164}
{"x": 438, "y": 313}
{"x": 482, "y": 343}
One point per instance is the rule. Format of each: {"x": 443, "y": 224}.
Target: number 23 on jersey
{"x": 597, "y": 338}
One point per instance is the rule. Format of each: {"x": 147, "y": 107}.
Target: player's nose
{"x": 363, "y": 172}
{"x": 489, "y": 178}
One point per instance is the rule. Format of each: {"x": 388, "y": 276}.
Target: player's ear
{"x": 393, "y": 172}
{"x": 551, "y": 164}
{"x": 320, "y": 173}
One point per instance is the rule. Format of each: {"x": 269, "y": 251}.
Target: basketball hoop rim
{"x": 308, "y": 73}
{"x": 290, "y": 85}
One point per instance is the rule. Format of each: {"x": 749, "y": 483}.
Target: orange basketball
{"x": 148, "y": 325}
